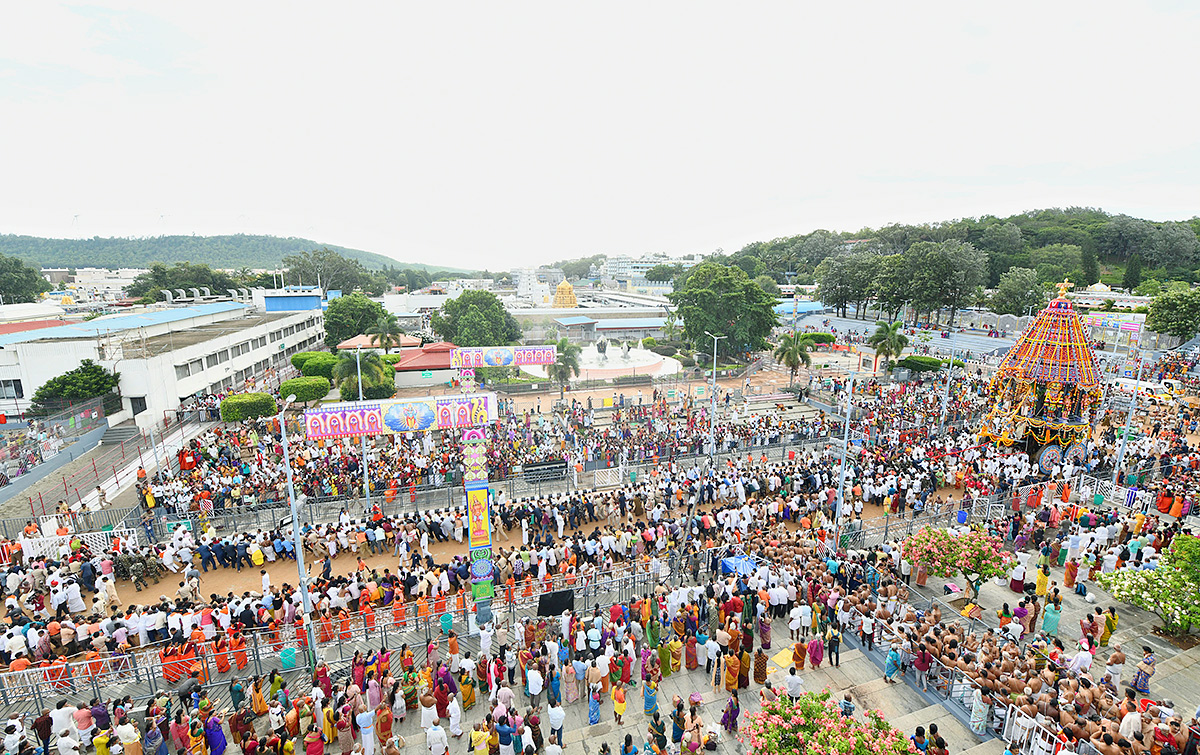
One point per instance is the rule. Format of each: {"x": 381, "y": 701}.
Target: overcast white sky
{"x": 500, "y": 134}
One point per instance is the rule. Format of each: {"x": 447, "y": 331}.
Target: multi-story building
{"x": 164, "y": 356}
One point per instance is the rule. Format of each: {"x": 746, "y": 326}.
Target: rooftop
{"x": 114, "y": 324}
{"x": 631, "y": 323}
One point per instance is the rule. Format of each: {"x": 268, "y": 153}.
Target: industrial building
{"x": 164, "y": 356}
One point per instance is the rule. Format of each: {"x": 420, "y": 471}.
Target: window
{"x": 196, "y": 367}
{"x": 223, "y": 356}
{"x": 211, "y": 360}
{"x": 181, "y": 371}
{"x": 11, "y": 389}
{"x": 275, "y": 336}
{"x": 137, "y": 404}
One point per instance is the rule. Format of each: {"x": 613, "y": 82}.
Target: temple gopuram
{"x": 1044, "y": 393}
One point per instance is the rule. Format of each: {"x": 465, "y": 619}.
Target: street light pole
{"x": 712, "y": 413}
{"x": 841, "y": 491}
{"x": 366, "y": 473}
{"x": 949, "y": 375}
{"x": 305, "y": 598}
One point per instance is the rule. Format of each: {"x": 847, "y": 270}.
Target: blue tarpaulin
{"x": 737, "y": 565}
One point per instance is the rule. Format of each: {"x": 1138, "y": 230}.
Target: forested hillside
{"x": 225, "y": 252}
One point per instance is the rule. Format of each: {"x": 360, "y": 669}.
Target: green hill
{"x": 228, "y": 252}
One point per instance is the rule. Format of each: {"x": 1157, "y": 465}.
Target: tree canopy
{"x": 1175, "y": 312}
{"x": 1018, "y": 290}
{"x": 349, "y": 316}
{"x": 19, "y": 282}
{"x": 88, "y": 380}
{"x": 723, "y": 300}
{"x": 476, "y": 318}
{"x": 333, "y": 271}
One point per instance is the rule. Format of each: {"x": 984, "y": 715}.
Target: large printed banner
{"x": 479, "y": 534}
{"x": 502, "y": 356}
{"x": 350, "y": 419}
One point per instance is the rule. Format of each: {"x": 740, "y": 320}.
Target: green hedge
{"x": 686, "y": 361}
{"x": 633, "y": 380}
{"x": 300, "y": 357}
{"x": 306, "y": 388}
{"x": 392, "y": 358}
{"x": 319, "y": 365}
{"x": 371, "y": 391}
{"x": 820, "y": 337}
{"x": 926, "y": 364}
{"x": 649, "y": 343}
{"x": 666, "y": 351}
{"x": 248, "y": 406}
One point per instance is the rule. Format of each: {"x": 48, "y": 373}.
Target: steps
{"x": 118, "y": 434}
{"x": 990, "y": 747}
{"x": 959, "y": 737}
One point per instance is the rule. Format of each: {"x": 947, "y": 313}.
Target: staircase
{"x": 115, "y": 435}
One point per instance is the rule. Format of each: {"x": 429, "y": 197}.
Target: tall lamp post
{"x": 296, "y": 544}
{"x": 366, "y": 472}
{"x": 949, "y": 377}
{"x": 712, "y": 412}
{"x": 841, "y": 490}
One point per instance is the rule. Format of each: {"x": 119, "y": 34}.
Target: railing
{"x": 98, "y": 542}
{"x": 1030, "y": 737}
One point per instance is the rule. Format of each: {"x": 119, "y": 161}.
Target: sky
{"x": 499, "y": 135}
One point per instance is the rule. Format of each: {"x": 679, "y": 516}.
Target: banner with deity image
{"x": 350, "y": 419}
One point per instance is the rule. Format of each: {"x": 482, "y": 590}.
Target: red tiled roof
{"x": 433, "y": 356}
{"x": 21, "y": 327}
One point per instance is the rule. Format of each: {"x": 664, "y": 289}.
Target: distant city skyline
{"x": 491, "y": 137}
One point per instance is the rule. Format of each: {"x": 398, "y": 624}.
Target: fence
{"x": 55, "y": 545}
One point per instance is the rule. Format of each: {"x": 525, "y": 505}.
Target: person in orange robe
{"x": 238, "y": 646}
{"x": 368, "y": 615}
{"x": 220, "y": 649}
{"x": 344, "y": 625}
{"x": 399, "y": 608}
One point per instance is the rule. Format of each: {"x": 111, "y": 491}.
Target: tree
{"x": 1148, "y": 287}
{"x": 492, "y": 325}
{"x": 300, "y": 357}
{"x": 305, "y": 388}
{"x": 1056, "y": 262}
{"x": 375, "y": 372}
{"x": 1133, "y": 273}
{"x": 1167, "y": 591}
{"x": 88, "y": 380}
{"x": 1089, "y": 267}
{"x": 243, "y": 406}
{"x": 1018, "y": 291}
{"x": 662, "y": 272}
{"x": 813, "y": 723}
{"x": 1002, "y": 238}
{"x": 182, "y": 275}
{"x": 768, "y": 284}
{"x": 974, "y": 554}
{"x": 386, "y": 332}
{"x": 565, "y": 366}
{"x": 330, "y": 270}
{"x": 349, "y": 316}
{"x": 888, "y": 340}
{"x": 792, "y": 352}
{"x": 722, "y": 299}
{"x": 847, "y": 278}
{"x": 1175, "y": 313}
{"x": 19, "y": 282}
{"x": 320, "y": 364}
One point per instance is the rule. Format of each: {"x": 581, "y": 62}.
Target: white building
{"x": 623, "y": 267}
{"x": 164, "y": 356}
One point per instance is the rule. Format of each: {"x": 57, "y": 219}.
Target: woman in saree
{"x": 197, "y": 744}
{"x": 653, "y": 630}
{"x": 321, "y": 679}
{"x": 892, "y": 667}
{"x": 690, "y": 660}
{"x": 677, "y": 725}
{"x": 816, "y": 651}
{"x": 799, "y": 654}
{"x": 760, "y": 667}
{"x": 1110, "y": 625}
{"x": 658, "y": 734}
{"x": 570, "y": 683}
{"x": 650, "y": 698}
{"x": 466, "y": 685}
{"x": 383, "y": 722}
{"x": 258, "y": 702}
{"x": 1043, "y": 580}
{"x": 1050, "y": 618}
{"x": 616, "y": 666}
{"x": 554, "y": 680}
{"x": 237, "y": 693}
{"x": 678, "y": 624}
{"x": 729, "y": 719}
{"x": 732, "y": 668}
{"x": 764, "y": 631}
{"x": 1022, "y": 616}
{"x": 979, "y": 710}
{"x": 409, "y": 685}
{"x": 1145, "y": 670}
{"x": 1072, "y": 573}
{"x": 744, "y": 670}
{"x": 358, "y": 670}
{"x": 594, "y": 706}
{"x": 676, "y": 648}
{"x": 664, "y": 659}
{"x": 647, "y": 655}
{"x": 328, "y": 721}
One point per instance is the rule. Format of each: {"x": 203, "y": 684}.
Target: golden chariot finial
{"x": 1062, "y": 287}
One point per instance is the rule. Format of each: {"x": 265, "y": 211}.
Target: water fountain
{"x": 595, "y": 363}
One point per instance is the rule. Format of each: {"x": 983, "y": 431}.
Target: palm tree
{"x": 385, "y": 332}
{"x": 375, "y": 371}
{"x": 565, "y": 366}
{"x": 888, "y": 340}
{"x": 792, "y": 352}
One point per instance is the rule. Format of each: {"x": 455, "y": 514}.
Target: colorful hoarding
{"x": 502, "y": 356}
{"x": 350, "y": 419}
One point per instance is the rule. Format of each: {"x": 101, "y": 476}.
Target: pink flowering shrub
{"x": 812, "y": 724}
{"x": 975, "y": 554}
